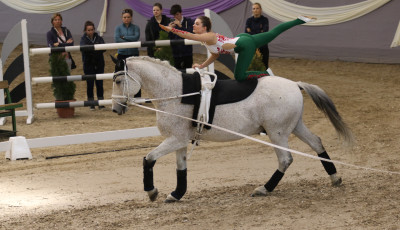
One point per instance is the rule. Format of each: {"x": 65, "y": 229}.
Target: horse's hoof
{"x": 170, "y": 199}
{"x": 153, "y": 194}
{"x": 260, "y": 191}
{"x": 337, "y": 182}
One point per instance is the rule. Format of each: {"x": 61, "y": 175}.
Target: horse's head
{"x": 119, "y": 64}
{"x": 125, "y": 86}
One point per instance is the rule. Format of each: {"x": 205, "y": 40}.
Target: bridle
{"x": 126, "y": 91}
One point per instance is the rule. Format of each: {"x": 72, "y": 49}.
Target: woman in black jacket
{"x": 152, "y": 29}
{"x": 60, "y": 36}
{"x": 93, "y": 62}
{"x": 256, "y": 24}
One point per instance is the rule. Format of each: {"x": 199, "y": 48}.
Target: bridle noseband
{"x": 126, "y": 91}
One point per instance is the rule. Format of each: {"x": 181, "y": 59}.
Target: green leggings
{"x": 247, "y": 44}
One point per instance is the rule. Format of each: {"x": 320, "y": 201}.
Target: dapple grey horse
{"x": 276, "y": 106}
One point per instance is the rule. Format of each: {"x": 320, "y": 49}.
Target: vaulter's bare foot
{"x": 307, "y": 18}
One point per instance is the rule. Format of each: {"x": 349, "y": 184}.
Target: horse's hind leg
{"x": 304, "y": 134}
{"x": 285, "y": 159}
{"x": 181, "y": 177}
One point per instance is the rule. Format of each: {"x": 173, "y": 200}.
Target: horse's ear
{"x": 114, "y": 59}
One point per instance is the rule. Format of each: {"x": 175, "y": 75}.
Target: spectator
{"x": 93, "y": 62}
{"x": 183, "y": 55}
{"x": 259, "y": 24}
{"x": 152, "y": 29}
{"x": 59, "y": 36}
{"x": 127, "y": 32}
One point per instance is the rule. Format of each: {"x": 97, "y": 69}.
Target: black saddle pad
{"x": 224, "y": 92}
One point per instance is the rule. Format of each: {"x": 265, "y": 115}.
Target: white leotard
{"x": 221, "y": 40}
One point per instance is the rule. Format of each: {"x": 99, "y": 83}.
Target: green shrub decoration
{"x": 257, "y": 63}
{"x": 62, "y": 90}
{"x": 164, "y": 52}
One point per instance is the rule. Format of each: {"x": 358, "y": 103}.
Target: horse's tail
{"x": 326, "y": 105}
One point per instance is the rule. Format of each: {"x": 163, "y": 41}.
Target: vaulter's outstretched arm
{"x": 207, "y": 37}
{"x": 207, "y": 62}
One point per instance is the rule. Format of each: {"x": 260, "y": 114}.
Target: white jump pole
{"x": 103, "y": 76}
{"x": 110, "y": 46}
{"x": 72, "y": 104}
{"x": 88, "y": 138}
{"x": 48, "y": 79}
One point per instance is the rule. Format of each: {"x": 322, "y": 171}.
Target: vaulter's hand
{"x": 166, "y": 28}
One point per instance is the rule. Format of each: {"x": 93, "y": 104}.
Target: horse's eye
{"x": 118, "y": 82}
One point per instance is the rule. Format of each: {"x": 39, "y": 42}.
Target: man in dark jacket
{"x": 183, "y": 55}
{"x": 152, "y": 30}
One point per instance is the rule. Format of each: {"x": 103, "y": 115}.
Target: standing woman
{"x": 59, "y": 36}
{"x": 259, "y": 24}
{"x": 93, "y": 62}
{"x": 244, "y": 44}
{"x": 152, "y": 29}
{"x": 127, "y": 32}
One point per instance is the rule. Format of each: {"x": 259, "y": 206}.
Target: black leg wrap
{"x": 181, "y": 185}
{"x": 148, "y": 175}
{"x": 329, "y": 166}
{"x": 273, "y": 182}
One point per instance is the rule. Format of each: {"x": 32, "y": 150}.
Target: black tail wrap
{"x": 181, "y": 185}
{"x": 273, "y": 182}
{"x": 148, "y": 175}
{"x": 329, "y": 166}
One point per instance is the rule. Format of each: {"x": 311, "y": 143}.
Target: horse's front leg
{"x": 181, "y": 177}
{"x": 168, "y": 145}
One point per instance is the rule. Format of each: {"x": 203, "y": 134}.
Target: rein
{"x": 140, "y": 100}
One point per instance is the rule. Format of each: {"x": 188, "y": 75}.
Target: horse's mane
{"x": 153, "y": 60}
